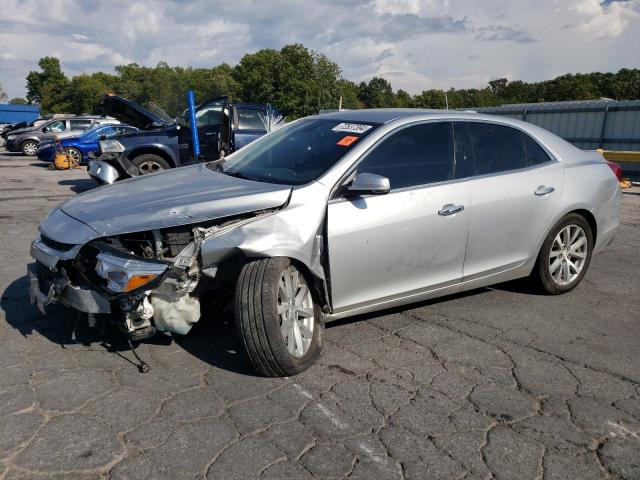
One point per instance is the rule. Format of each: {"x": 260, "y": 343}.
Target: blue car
{"x": 80, "y": 146}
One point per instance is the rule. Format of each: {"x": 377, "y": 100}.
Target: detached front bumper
{"x": 50, "y": 284}
{"x": 103, "y": 172}
{"x": 47, "y": 287}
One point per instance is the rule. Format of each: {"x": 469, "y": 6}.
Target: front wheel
{"x": 75, "y": 154}
{"x": 29, "y": 148}
{"x": 565, "y": 255}
{"x": 277, "y": 318}
{"x": 149, "y": 163}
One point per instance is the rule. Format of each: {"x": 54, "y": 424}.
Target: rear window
{"x": 299, "y": 152}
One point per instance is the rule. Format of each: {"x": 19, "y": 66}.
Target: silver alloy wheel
{"x": 30, "y": 148}
{"x": 568, "y": 254}
{"x": 150, "y": 166}
{"x": 295, "y": 309}
{"x": 75, "y": 154}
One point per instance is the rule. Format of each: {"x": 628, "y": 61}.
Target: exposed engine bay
{"x": 146, "y": 282}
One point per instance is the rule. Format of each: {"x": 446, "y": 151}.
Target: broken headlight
{"x": 126, "y": 274}
{"x": 111, "y": 146}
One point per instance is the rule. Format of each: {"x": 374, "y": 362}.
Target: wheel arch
{"x": 317, "y": 285}
{"x": 153, "y": 150}
{"x": 589, "y": 217}
{"x": 29, "y": 139}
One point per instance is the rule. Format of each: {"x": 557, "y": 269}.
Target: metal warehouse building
{"x": 18, "y": 113}
{"x": 588, "y": 125}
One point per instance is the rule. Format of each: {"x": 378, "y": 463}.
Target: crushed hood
{"x": 176, "y": 197}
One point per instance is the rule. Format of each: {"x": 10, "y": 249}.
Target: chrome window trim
{"x": 552, "y": 158}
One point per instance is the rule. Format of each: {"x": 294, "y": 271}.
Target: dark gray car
{"x": 27, "y": 140}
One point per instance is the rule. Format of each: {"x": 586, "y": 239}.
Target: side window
{"x": 209, "y": 116}
{"x": 535, "y": 154}
{"x": 249, "y": 119}
{"x": 107, "y": 132}
{"x": 58, "y": 126}
{"x": 414, "y": 156}
{"x": 80, "y": 124}
{"x": 486, "y": 148}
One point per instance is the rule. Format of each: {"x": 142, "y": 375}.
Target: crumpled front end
{"x": 145, "y": 282}
{"x": 153, "y": 280}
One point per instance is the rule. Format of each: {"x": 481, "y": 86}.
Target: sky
{"x": 415, "y": 44}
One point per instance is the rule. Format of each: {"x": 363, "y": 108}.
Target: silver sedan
{"x": 328, "y": 217}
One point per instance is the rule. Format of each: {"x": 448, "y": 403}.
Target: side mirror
{"x": 103, "y": 137}
{"x": 369, "y": 183}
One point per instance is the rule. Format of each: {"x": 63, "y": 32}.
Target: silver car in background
{"x": 328, "y": 217}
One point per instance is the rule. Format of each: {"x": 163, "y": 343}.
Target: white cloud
{"x": 606, "y": 19}
{"x": 416, "y": 44}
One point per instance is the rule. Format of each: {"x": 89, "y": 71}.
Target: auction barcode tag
{"x": 351, "y": 127}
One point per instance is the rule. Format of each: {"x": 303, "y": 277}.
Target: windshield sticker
{"x": 346, "y": 141}
{"x": 351, "y": 127}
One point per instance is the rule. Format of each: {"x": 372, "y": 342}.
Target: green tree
{"x": 295, "y": 79}
{"x": 430, "y": 99}
{"x": 377, "y": 93}
{"x": 87, "y": 91}
{"x": 18, "y": 101}
{"x": 49, "y": 87}
{"x": 349, "y": 93}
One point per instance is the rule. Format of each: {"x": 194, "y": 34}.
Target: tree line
{"x": 299, "y": 82}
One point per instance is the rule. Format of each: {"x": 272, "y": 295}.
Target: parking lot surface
{"x": 500, "y": 382}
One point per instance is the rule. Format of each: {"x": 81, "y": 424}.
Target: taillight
{"x": 617, "y": 169}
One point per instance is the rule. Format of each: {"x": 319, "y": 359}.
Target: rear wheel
{"x": 565, "y": 255}
{"x": 29, "y": 147}
{"x": 150, "y": 163}
{"x": 277, "y": 318}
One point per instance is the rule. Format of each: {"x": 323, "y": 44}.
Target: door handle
{"x": 450, "y": 209}
{"x": 543, "y": 190}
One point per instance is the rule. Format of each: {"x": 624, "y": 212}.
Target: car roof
{"x": 386, "y": 115}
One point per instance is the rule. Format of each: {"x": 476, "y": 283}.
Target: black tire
{"x": 541, "y": 272}
{"x": 29, "y": 147}
{"x": 75, "y": 154}
{"x": 149, "y": 163}
{"x": 258, "y": 322}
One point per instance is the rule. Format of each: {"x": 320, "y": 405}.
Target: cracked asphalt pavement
{"x": 499, "y": 382}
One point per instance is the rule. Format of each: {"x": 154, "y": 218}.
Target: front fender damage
{"x": 296, "y": 232}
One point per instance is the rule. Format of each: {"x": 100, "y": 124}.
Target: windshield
{"x": 297, "y": 153}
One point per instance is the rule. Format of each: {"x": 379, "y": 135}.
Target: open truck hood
{"x": 133, "y": 114}
{"x": 179, "y": 196}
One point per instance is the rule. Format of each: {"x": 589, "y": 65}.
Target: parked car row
{"x": 27, "y": 140}
{"x": 8, "y": 128}
{"x": 81, "y": 146}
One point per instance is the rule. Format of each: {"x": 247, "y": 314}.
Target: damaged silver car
{"x": 328, "y": 217}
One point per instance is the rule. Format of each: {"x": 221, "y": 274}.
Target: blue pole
{"x": 191, "y": 100}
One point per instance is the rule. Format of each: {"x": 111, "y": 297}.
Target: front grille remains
{"x": 59, "y": 246}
